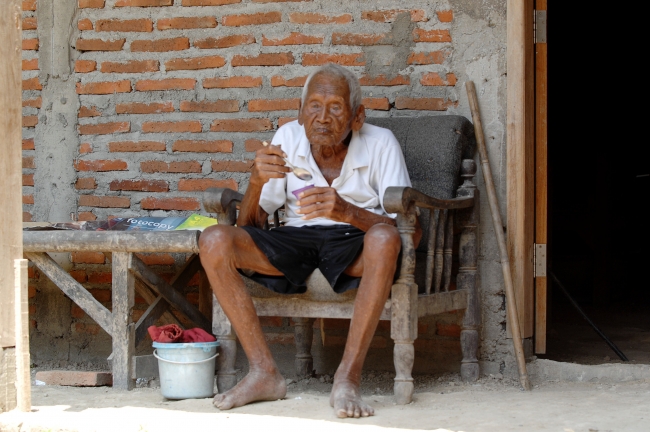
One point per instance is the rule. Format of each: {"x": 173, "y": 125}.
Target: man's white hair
{"x": 340, "y": 72}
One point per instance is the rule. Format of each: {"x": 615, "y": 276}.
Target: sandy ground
{"x": 440, "y": 403}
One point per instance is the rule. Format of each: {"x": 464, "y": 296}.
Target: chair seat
{"x": 318, "y": 290}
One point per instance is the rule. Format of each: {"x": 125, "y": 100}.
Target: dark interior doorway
{"x": 599, "y": 194}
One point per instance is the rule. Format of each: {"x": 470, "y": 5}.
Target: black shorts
{"x": 297, "y": 252}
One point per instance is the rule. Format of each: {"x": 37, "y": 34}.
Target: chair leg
{"x": 304, "y": 334}
{"x": 403, "y": 332}
{"x": 221, "y": 327}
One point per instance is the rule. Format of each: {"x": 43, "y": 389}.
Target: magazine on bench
{"x": 145, "y": 223}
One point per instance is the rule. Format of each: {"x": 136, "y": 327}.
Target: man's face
{"x": 326, "y": 114}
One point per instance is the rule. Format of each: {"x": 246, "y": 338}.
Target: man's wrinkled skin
{"x": 329, "y": 121}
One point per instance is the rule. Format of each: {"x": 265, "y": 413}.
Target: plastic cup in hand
{"x": 297, "y": 192}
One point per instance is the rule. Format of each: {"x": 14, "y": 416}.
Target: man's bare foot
{"x": 256, "y": 386}
{"x": 346, "y": 400}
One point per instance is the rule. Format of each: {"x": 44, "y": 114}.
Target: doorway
{"x": 598, "y": 194}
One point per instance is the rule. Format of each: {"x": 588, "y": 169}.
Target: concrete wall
{"x": 134, "y": 110}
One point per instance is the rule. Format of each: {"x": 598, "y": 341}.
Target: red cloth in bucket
{"x": 172, "y": 333}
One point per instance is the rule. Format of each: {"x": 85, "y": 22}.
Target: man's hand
{"x": 325, "y": 202}
{"x": 268, "y": 165}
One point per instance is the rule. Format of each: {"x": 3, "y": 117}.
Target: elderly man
{"x": 338, "y": 226}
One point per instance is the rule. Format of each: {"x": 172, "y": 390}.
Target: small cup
{"x": 297, "y": 192}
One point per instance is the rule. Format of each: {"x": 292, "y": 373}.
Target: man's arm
{"x": 268, "y": 165}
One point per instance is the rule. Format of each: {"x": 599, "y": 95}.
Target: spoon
{"x": 301, "y": 173}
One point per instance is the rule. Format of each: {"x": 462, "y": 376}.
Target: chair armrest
{"x": 223, "y": 202}
{"x": 399, "y": 199}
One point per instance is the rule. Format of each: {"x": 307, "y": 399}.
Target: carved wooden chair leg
{"x": 221, "y": 327}
{"x": 304, "y": 334}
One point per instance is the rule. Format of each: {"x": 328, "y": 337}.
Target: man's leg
{"x": 224, "y": 249}
{"x": 376, "y": 266}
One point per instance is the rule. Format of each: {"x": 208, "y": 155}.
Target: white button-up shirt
{"x": 373, "y": 163}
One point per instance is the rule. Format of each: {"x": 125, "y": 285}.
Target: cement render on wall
{"x": 479, "y": 54}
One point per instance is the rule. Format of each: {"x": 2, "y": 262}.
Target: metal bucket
{"x": 186, "y": 369}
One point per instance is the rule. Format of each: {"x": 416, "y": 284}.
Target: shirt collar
{"x": 357, "y": 156}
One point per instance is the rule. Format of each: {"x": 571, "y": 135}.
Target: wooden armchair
{"x": 438, "y": 152}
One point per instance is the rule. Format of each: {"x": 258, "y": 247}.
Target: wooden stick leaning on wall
{"x": 512, "y": 315}
{"x": 23, "y": 382}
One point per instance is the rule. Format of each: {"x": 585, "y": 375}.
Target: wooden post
{"x": 123, "y": 326}
{"x": 23, "y": 382}
{"x": 11, "y": 175}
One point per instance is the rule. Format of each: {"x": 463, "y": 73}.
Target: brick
{"x": 155, "y": 166}
{"x": 193, "y": 185}
{"x": 382, "y": 80}
{"x": 132, "y": 66}
{"x": 225, "y": 42}
{"x": 284, "y": 120}
{"x": 140, "y": 185}
{"x": 360, "y": 39}
{"x": 425, "y": 58}
{"x": 160, "y": 45}
{"x": 251, "y": 19}
{"x": 233, "y": 82}
{"x": 85, "y": 183}
{"x": 316, "y": 18}
{"x": 79, "y": 275}
{"x": 420, "y": 35}
{"x": 99, "y": 88}
{"x": 264, "y": 59}
{"x": 443, "y": 329}
{"x": 87, "y": 257}
{"x": 272, "y": 321}
{"x": 279, "y": 81}
{"x": 136, "y": 146}
{"x": 30, "y": 121}
{"x": 28, "y": 199}
{"x": 104, "y": 201}
{"x": 33, "y": 103}
{"x": 319, "y": 59}
{"x": 176, "y": 203}
{"x": 91, "y": 4}
{"x": 233, "y": 166}
{"x": 75, "y": 378}
{"x": 86, "y": 216}
{"x": 256, "y": 105}
{"x": 426, "y": 104}
{"x": 30, "y": 64}
{"x": 77, "y": 312}
{"x": 172, "y": 126}
{"x": 104, "y": 128}
{"x": 209, "y": 2}
{"x": 434, "y": 79}
{"x": 85, "y": 148}
{"x": 241, "y": 125}
{"x": 28, "y": 144}
{"x": 157, "y": 259}
{"x": 386, "y": 16}
{"x": 27, "y": 217}
{"x": 445, "y": 16}
{"x": 376, "y": 103}
{"x": 29, "y": 5}
{"x": 30, "y": 44}
{"x": 99, "y": 45}
{"x": 252, "y": 145}
{"x": 144, "y": 108}
{"x": 223, "y": 105}
{"x": 294, "y": 38}
{"x": 102, "y": 295}
{"x": 144, "y": 25}
{"x": 200, "y": 146}
{"x": 101, "y": 165}
{"x": 143, "y": 3}
{"x": 32, "y": 84}
{"x": 196, "y": 63}
{"x": 186, "y": 23}
{"x": 166, "y": 84}
{"x": 85, "y": 24}
{"x": 85, "y": 66}
{"x": 85, "y": 111}
{"x": 29, "y": 23}
{"x": 28, "y": 179}
{"x": 28, "y": 162}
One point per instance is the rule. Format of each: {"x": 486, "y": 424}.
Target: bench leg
{"x": 123, "y": 326}
{"x": 304, "y": 334}
{"x": 221, "y": 327}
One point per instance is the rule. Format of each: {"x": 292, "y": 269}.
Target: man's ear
{"x": 300, "y": 121}
{"x": 359, "y": 119}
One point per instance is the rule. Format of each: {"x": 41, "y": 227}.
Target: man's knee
{"x": 216, "y": 242}
{"x": 383, "y": 239}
